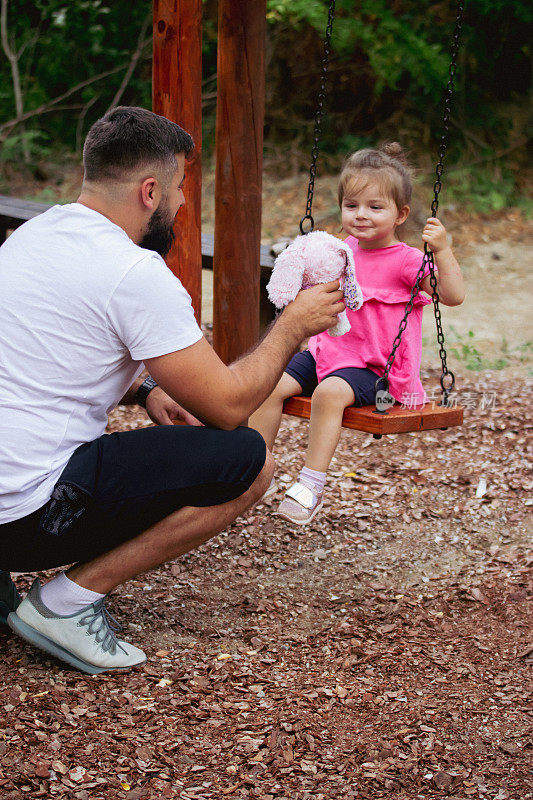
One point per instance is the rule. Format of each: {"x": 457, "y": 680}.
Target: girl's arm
{"x": 450, "y": 285}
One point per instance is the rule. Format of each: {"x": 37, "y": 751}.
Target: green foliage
{"x": 46, "y": 195}
{"x": 298, "y": 12}
{"x": 525, "y": 204}
{"x": 390, "y": 41}
{"x": 482, "y": 188}
{"x": 389, "y": 68}
{"x": 393, "y": 46}
{"x": 388, "y": 71}
{"x": 467, "y": 352}
{"x": 20, "y": 142}
{"x": 349, "y": 143}
{"x": 61, "y": 44}
{"x": 525, "y": 351}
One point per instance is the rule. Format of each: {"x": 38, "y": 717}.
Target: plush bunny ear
{"x": 353, "y": 296}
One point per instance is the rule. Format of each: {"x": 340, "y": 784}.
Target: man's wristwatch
{"x": 144, "y": 390}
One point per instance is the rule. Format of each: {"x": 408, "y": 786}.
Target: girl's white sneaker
{"x": 300, "y": 504}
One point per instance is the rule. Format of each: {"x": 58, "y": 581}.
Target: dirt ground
{"x": 384, "y": 651}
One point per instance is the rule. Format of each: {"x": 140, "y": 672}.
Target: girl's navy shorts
{"x": 302, "y": 367}
{"x": 114, "y": 488}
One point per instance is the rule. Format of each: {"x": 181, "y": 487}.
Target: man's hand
{"x": 314, "y": 310}
{"x": 223, "y": 396}
{"x": 163, "y": 410}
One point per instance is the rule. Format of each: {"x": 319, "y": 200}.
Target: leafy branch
{"x": 55, "y": 104}
{"x": 142, "y": 42}
{"x": 50, "y": 105}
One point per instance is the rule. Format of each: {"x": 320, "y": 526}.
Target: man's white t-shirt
{"x": 81, "y": 307}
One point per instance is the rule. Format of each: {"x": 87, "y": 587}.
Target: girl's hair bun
{"x": 394, "y": 150}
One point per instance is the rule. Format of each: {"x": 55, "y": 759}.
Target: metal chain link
{"x": 318, "y": 119}
{"x": 428, "y": 259}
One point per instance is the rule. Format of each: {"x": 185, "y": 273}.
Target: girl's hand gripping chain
{"x": 450, "y": 283}
{"x": 317, "y": 257}
{"x": 435, "y": 235}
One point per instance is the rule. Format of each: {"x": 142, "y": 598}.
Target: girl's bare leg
{"x": 329, "y": 400}
{"x": 266, "y": 420}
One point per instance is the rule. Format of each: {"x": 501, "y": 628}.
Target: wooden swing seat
{"x": 396, "y": 420}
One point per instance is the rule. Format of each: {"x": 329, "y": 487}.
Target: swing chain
{"x": 384, "y": 379}
{"x": 446, "y": 390}
{"x": 428, "y": 259}
{"x": 447, "y": 107}
{"x": 318, "y": 118}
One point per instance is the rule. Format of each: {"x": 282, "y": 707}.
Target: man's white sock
{"x": 64, "y": 597}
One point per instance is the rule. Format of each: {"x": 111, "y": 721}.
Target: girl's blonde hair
{"x": 387, "y": 166}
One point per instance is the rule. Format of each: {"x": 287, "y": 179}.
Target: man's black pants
{"x": 114, "y": 488}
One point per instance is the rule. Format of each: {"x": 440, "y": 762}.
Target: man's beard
{"x": 160, "y": 234}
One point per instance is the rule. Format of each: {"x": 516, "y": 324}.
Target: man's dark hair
{"x": 128, "y": 137}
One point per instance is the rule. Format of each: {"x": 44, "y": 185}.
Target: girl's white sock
{"x": 317, "y": 479}
{"x": 64, "y": 597}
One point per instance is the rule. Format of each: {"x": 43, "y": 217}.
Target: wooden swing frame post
{"x": 239, "y": 175}
{"x": 177, "y": 95}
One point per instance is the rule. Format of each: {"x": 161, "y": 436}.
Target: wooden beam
{"x": 177, "y": 95}
{"x": 238, "y": 177}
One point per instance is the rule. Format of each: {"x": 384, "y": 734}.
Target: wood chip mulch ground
{"x": 383, "y": 652}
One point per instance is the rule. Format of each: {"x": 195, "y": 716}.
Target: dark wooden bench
{"x": 14, "y": 212}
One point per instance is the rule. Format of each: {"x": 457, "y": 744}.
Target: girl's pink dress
{"x": 386, "y": 276}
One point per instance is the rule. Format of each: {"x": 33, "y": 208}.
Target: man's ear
{"x": 150, "y": 193}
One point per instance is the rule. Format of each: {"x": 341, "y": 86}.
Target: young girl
{"x": 374, "y": 195}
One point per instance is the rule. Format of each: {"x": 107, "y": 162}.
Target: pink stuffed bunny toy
{"x": 316, "y": 257}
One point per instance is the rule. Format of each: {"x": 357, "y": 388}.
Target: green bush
{"x": 482, "y": 188}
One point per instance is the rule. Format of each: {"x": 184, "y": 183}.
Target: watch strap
{"x": 144, "y": 390}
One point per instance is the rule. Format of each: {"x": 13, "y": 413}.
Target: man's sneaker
{"x": 10, "y": 599}
{"x": 85, "y": 640}
{"x": 300, "y": 504}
